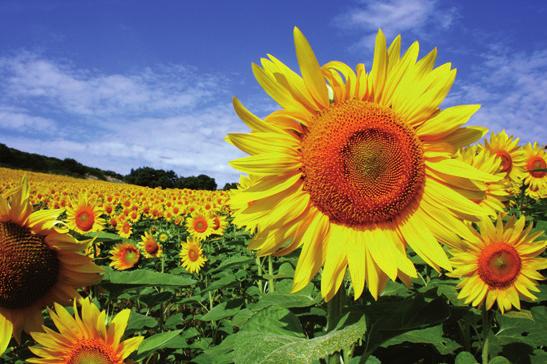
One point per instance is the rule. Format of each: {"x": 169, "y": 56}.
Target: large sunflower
{"x": 535, "y": 177}
{"x": 84, "y": 338}
{"x": 499, "y": 264}
{"x": 507, "y": 149}
{"x": 40, "y": 263}
{"x": 355, "y": 176}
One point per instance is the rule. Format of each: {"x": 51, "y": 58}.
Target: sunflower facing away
{"x": 85, "y": 338}
{"x": 191, "y": 255}
{"x": 40, "y": 263}
{"x": 149, "y": 246}
{"x": 124, "y": 256}
{"x": 508, "y": 151}
{"x": 84, "y": 216}
{"x": 492, "y": 194}
{"x": 535, "y": 177}
{"x": 499, "y": 264}
{"x": 357, "y": 165}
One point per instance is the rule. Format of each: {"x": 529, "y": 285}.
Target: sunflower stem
{"x": 271, "y": 279}
{"x": 259, "y": 269}
{"x": 486, "y": 334}
{"x": 334, "y": 312}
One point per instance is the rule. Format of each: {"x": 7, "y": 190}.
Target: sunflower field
{"x": 369, "y": 225}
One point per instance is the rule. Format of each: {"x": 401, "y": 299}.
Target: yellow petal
{"x": 309, "y": 66}
{"x": 311, "y": 256}
{"x": 6, "y": 330}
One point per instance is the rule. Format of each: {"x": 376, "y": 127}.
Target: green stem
{"x": 271, "y": 274}
{"x": 259, "y": 269}
{"x": 486, "y": 334}
{"x": 334, "y": 311}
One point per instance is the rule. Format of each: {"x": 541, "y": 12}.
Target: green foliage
{"x": 13, "y": 158}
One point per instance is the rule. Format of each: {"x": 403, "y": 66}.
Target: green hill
{"x": 13, "y": 158}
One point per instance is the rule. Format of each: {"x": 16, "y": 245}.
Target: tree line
{"x": 143, "y": 176}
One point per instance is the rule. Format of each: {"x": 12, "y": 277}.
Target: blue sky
{"x": 123, "y": 84}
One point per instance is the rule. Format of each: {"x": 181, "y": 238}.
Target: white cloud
{"x": 90, "y": 93}
{"x": 20, "y": 120}
{"x": 510, "y": 86}
{"x": 394, "y": 16}
{"x": 170, "y": 117}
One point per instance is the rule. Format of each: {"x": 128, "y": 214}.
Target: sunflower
{"x": 40, "y": 263}
{"x": 150, "y": 246}
{"x": 355, "y": 175}
{"x": 535, "y": 177}
{"x": 493, "y": 194}
{"x": 508, "y": 151}
{"x": 124, "y": 256}
{"x": 84, "y": 216}
{"x": 125, "y": 229}
{"x": 219, "y": 223}
{"x": 191, "y": 255}
{"x": 199, "y": 225}
{"x": 86, "y": 337}
{"x": 499, "y": 264}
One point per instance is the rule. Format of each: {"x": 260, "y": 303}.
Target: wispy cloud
{"x": 168, "y": 117}
{"x": 394, "y": 16}
{"x": 511, "y": 88}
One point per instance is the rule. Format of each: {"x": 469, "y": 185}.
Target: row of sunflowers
{"x": 359, "y": 186}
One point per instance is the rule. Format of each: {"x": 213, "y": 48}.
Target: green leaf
{"x": 223, "y": 282}
{"x": 499, "y": 360}
{"x": 431, "y": 335}
{"x": 286, "y": 300}
{"x": 138, "y": 321}
{"x": 465, "y": 357}
{"x": 268, "y": 348}
{"x": 223, "y": 310}
{"x": 158, "y": 341}
{"x": 391, "y": 318}
{"x": 232, "y": 261}
{"x": 146, "y": 277}
{"x": 523, "y": 330}
{"x": 104, "y": 236}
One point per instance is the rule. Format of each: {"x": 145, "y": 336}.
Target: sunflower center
{"x": 499, "y": 265}
{"x": 216, "y": 223}
{"x": 200, "y": 225}
{"x": 29, "y": 268}
{"x": 131, "y": 256}
{"x": 85, "y": 219}
{"x": 151, "y": 247}
{"x": 506, "y": 161}
{"x": 362, "y": 165}
{"x": 534, "y": 163}
{"x": 92, "y": 352}
{"x": 193, "y": 254}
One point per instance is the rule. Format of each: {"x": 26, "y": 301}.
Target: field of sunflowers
{"x": 369, "y": 226}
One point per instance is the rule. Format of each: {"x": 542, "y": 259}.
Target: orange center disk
{"x": 534, "y": 163}
{"x": 200, "y": 224}
{"x": 151, "y": 247}
{"x": 362, "y": 165}
{"x": 92, "y": 351}
{"x": 193, "y": 254}
{"x": 85, "y": 218}
{"x": 499, "y": 265}
{"x": 506, "y": 161}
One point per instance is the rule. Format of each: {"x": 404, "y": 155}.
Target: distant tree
{"x": 201, "y": 182}
{"x": 150, "y": 177}
{"x": 230, "y": 186}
